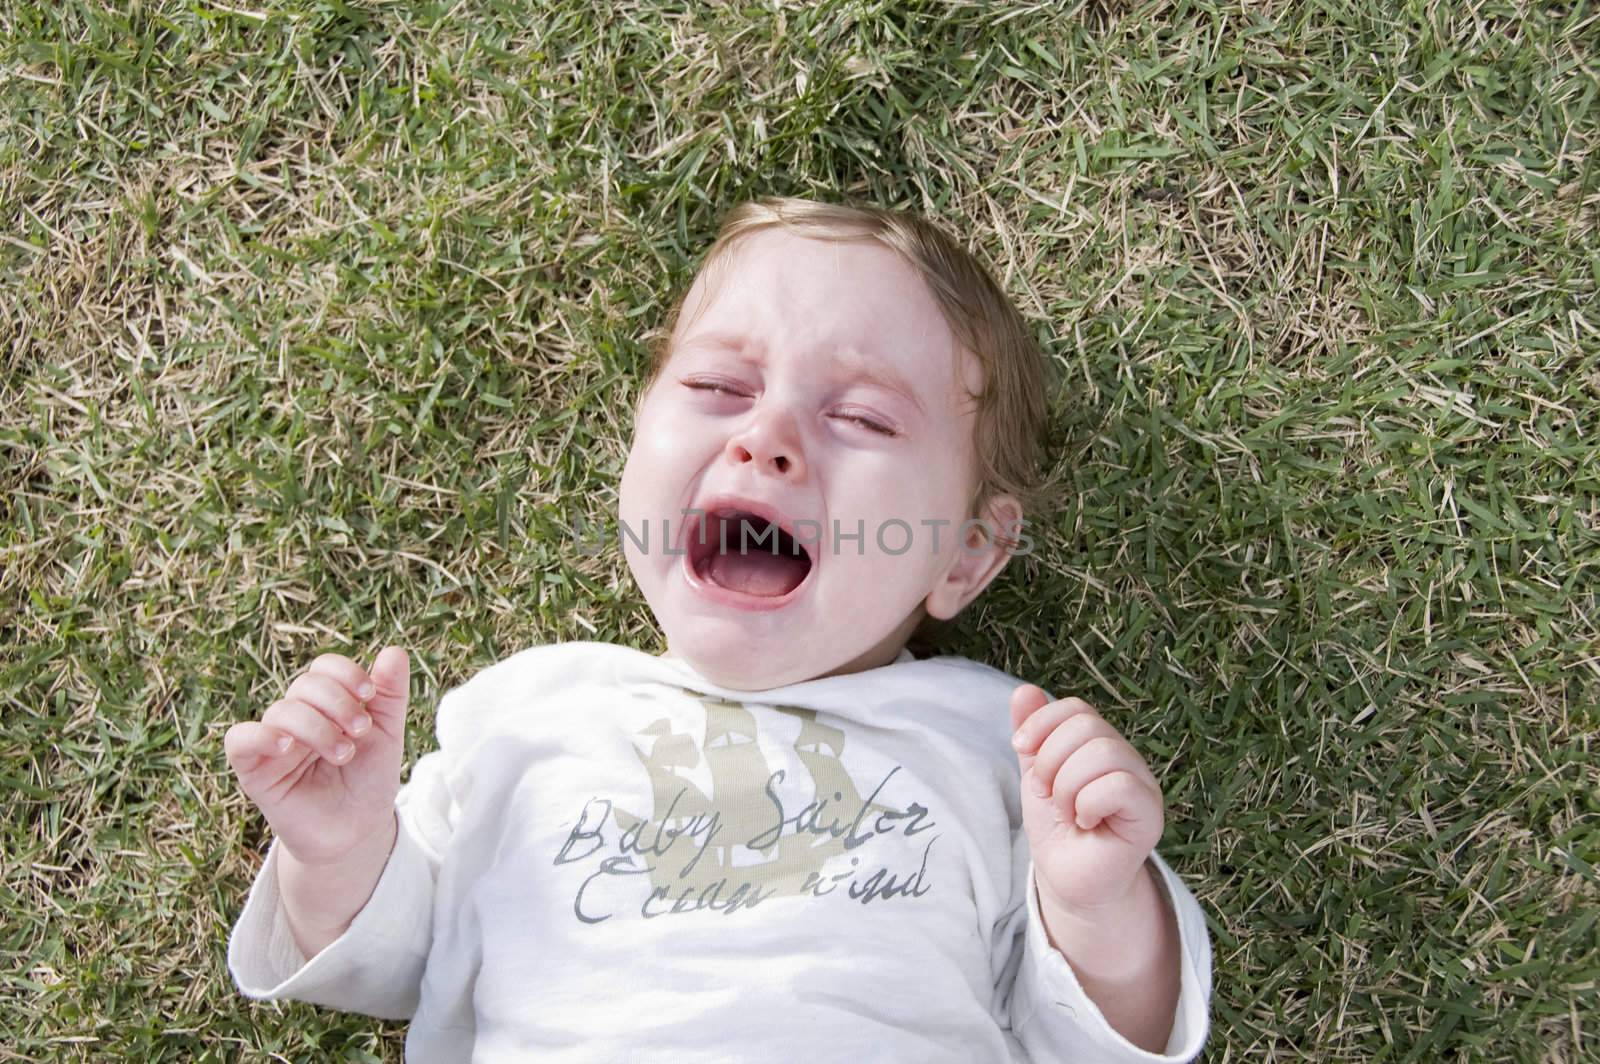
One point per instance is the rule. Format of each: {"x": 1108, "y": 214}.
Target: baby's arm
{"x": 1100, "y": 925}
{"x": 323, "y": 764}
{"x": 320, "y": 900}
{"x": 1060, "y": 1011}
{"x": 1126, "y": 958}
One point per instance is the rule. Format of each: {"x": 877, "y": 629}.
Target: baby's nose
{"x": 771, "y": 442}
{"x": 774, "y": 459}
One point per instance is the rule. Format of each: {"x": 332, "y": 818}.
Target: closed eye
{"x": 718, "y": 387}
{"x": 868, "y": 423}
{"x": 715, "y": 386}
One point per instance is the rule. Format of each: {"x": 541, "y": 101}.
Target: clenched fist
{"x": 1091, "y": 807}
{"x": 323, "y": 762}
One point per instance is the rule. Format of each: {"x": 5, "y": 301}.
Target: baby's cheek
{"x": 897, "y": 582}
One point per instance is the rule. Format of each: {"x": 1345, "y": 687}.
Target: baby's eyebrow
{"x": 731, "y": 345}
{"x": 862, "y": 369}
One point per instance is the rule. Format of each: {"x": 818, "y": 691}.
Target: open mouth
{"x": 746, "y": 554}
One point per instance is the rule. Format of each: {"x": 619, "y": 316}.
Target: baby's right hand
{"x": 321, "y": 799}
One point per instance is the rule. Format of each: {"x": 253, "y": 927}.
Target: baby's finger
{"x": 1098, "y": 757}
{"x": 1063, "y": 740}
{"x": 1123, "y": 802}
{"x": 391, "y": 674}
{"x": 310, "y": 727}
{"x": 1026, "y": 700}
{"x": 1045, "y": 721}
{"x": 330, "y": 696}
{"x": 347, "y": 672}
{"x": 249, "y": 743}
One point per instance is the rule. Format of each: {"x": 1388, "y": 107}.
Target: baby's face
{"x": 818, "y": 388}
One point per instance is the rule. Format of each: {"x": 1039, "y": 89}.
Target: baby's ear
{"x": 985, "y": 544}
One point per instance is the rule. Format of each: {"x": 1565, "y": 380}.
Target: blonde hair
{"x": 1013, "y": 406}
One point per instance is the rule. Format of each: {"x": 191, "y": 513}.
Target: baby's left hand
{"x": 1101, "y": 813}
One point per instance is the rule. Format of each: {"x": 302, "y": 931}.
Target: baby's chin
{"x": 735, "y": 658}
{"x": 745, "y": 671}
{"x": 743, "y": 656}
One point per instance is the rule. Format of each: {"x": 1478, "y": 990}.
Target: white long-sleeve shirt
{"x": 611, "y": 859}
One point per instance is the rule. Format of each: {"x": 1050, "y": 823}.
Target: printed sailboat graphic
{"x": 781, "y": 864}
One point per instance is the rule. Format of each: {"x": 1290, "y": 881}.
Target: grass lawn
{"x": 321, "y": 323}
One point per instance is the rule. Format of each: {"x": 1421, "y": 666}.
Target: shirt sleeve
{"x": 376, "y": 966}
{"x": 1055, "y": 1020}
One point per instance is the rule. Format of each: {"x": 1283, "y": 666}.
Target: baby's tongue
{"x": 758, "y": 572}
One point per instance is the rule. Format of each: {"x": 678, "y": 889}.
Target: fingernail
{"x": 360, "y": 725}
{"x": 367, "y": 690}
{"x": 284, "y": 744}
{"x": 342, "y": 751}
{"x": 1018, "y": 742}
